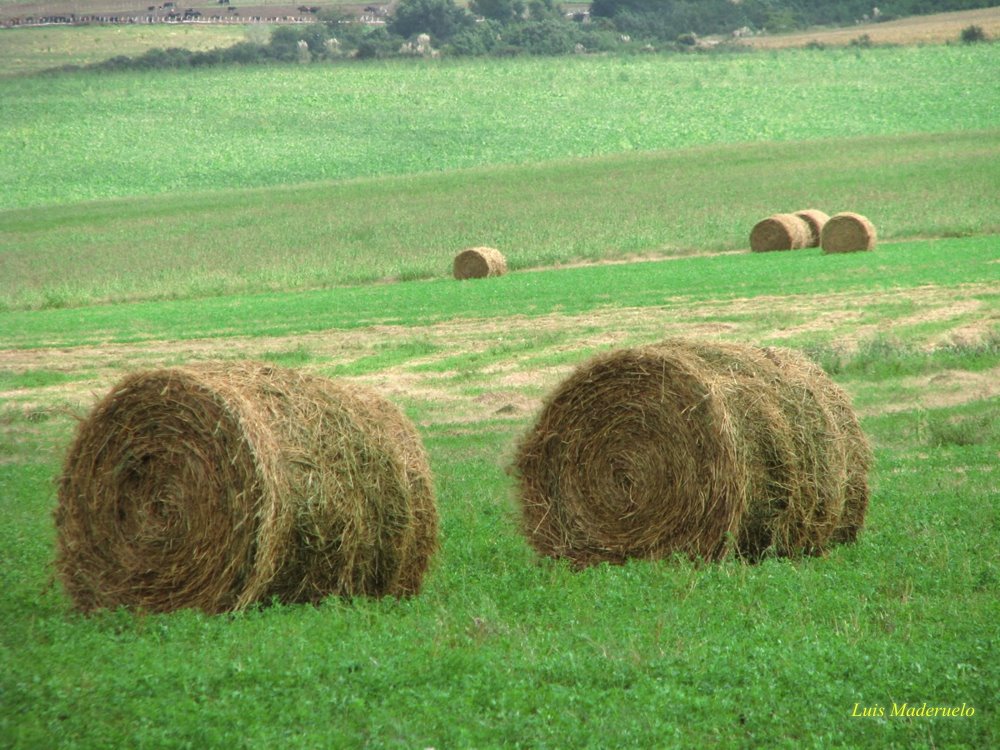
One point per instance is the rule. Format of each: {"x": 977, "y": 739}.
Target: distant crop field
{"x": 29, "y": 50}
{"x": 89, "y": 136}
{"x": 936, "y": 28}
{"x": 655, "y": 204}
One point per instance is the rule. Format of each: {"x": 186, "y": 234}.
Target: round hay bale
{"x": 779, "y": 232}
{"x": 703, "y": 449}
{"x": 852, "y": 439}
{"x": 848, "y": 233}
{"x": 478, "y": 263}
{"x": 815, "y": 220}
{"x": 220, "y": 486}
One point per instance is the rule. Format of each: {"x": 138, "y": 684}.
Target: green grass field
{"x": 170, "y": 184}
{"x": 93, "y": 136}
{"x": 175, "y": 264}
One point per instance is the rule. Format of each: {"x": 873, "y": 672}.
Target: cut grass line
{"x": 681, "y": 284}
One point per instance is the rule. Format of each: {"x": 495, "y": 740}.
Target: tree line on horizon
{"x": 539, "y": 27}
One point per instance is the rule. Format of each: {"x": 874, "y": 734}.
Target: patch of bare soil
{"x": 933, "y": 310}
{"x": 941, "y": 390}
{"x": 969, "y": 334}
{"x": 508, "y": 387}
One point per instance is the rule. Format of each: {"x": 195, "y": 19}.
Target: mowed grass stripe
{"x": 613, "y": 207}
{"x": 683, "y": 281}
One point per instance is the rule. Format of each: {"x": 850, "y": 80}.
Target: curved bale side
{"x": 854, "y": 441}
{"x": 687, "y": 447}
{"x": 479, "y": 263}
{"x": 848, "y": 232}
{"x": 779, "y": 232}
{"x": 815, "y": 220}
{"x": 220, "y": 486}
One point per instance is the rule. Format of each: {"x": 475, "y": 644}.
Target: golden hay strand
{"x": 779, "y": 232}
{"x": 700, "y": 448}
{"x": 848, "y": 233}
{"x": 854, "y": 442}
{"x": 478, "y": 263}
{"x": 815, "y": 220}
{"x": 219, "y": 486}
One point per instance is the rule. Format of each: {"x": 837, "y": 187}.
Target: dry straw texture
{"x": 219, "y": 486}
{"x": 703, "y": 449}
{"x": 479, "y": 262}
{"x": 848, "y": 233}
{"x": 815, "y": 220}
{"x": 779, "y": 232}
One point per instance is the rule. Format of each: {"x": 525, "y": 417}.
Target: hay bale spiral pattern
{"x": 479, "y": 263}
{"x": 848, "y": 232}
{"x": 779, "y": 232}
{"x": 220, "y": 486}
{"x": 697, "y": 448}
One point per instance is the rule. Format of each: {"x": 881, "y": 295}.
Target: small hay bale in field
{"x": 848, "y": 233}
{"x": 779, "y": 232}
{"x": 815, "y": 220}
{"x": 478, "y": 263}
{"x": 704, "y": 449}
{"x": 220, "y": 486}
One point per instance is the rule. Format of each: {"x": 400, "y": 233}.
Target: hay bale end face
{"x": 693, "y": 448}
{"x": 779, "y": 232}
{"x": 848, "y": 232}
{"x": 815, "y": 220}
{"x": 479, "y": 263}
{"x": 220, "y": 486}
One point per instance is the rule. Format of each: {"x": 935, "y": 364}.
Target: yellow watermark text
{"x": 912, "y": 710}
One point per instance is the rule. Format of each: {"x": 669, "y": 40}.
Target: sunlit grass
{"x": 661, "y": 204}
{"x": 85, "y": 136}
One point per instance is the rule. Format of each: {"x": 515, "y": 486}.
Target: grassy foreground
{"x": 503, "y": 649}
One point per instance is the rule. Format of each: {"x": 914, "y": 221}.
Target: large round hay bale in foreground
{"x": 815, "y": 220}
{"x": 220, "y": 486}
{"x": 779, "y": 232}
{"x": 703, "y": 449}
{"x": 478, "y": 263}
{"x": 848, "y": 233}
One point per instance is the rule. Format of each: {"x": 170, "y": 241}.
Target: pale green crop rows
{"x": 87, "y": 136}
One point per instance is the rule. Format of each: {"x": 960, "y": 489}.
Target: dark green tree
{"x": 539, "y": 10}
{"x": 442, "y": 19}
{"x": 503, "y": 11}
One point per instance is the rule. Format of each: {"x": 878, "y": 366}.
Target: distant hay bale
{"x": 848, "y": 233}
{"x": 704, "y": 449}
{"x": 815, "y": 220}
{"x": 779, "y": 232}
{"x": 220, "y": 486}
{"x": 478, "y": 263}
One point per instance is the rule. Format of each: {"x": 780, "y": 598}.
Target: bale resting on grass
{"x": 779, "y": 232}
{"x": 848, "y": 233}
{"x": 703, "y": 449}
{"x": 815, "y": 220}
{"x": 478, "y": 263}
{"x": 221, "y": 486}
